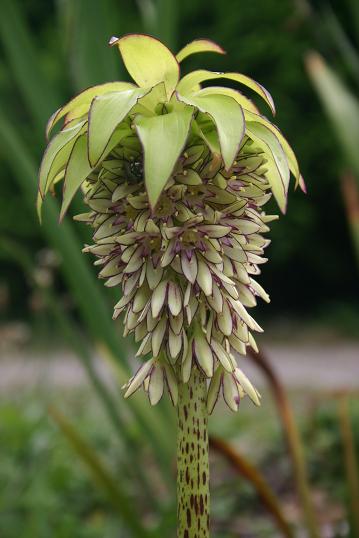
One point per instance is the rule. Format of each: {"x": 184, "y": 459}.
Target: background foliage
{"x": 58, "y": 473}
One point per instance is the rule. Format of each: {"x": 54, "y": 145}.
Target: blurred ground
{"x": 310, "y": 366}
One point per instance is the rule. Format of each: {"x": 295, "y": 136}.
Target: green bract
{"x": 97, "y": 119}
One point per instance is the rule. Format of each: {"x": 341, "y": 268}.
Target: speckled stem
{"x": 192, "y": 459}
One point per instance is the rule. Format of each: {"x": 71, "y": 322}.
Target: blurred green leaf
{"x": 102, "y": 476}
{"x": 39, "y": 96}
{"x": 341, "y": 106}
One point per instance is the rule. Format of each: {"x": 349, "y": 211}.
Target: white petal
{"x": 187, "y": 365}
{"x": 158, "y": 298}
{"x": 146, "y": 345}
{"x": 171, "y": 383}
{"x": 176, "y": 322}
{"x": 204, "y": 278}
{"x": 189, "y": 267}
{"x": 156, "y": 385}
{"x": 153, "y": 275}
{"x": 230, "y": 392}
{"x": 138, "y": 378}
{"x": 224, "y": 320}
{"x": 157, "y": 336}
{"x": 247, "y": 386}
{"x": 213, "y": 390}
{"x": 174, "y": 298}
{"x": 204, "y": 354}
{"x": 222, "y": 356}
{"x": 174, "y": 344}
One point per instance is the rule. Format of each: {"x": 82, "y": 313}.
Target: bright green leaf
{"x": 106, "y": 112}
{"x": 56, "y": 155}
{"x": 199, "y": 45}
{"x": 163, "y": 138}
{"x": 83, "y": 100}
{"x": 189, "y": 82}
{"x": 292, "y": 160}
{"x": 77, "y": 170}
{"x": 277, "y": 165}
{"x": 228, "y": 117}
{"x": 147, "y": 104}
{"x": 236, "y": 95}
{"x": 148, "y": 61}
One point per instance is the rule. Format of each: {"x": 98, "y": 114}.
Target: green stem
{"x": 192, "y": 459}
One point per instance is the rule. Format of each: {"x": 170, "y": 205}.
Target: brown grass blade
{"x": 253, "y": 475}
{"x": 350, "y": 460}
{"x": 295, "y": 445}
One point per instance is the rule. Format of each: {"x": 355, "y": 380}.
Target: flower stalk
{"x": 193, "y": 496}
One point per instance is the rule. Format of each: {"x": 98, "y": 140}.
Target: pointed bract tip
{"x": 113, "y": 40}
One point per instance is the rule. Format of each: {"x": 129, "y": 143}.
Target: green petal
{"x": 228, "y": 116}
{"x": 162, "y": 136}
{"x": 148, "y": 61}
{"x": 56, "y": 155}
{"x": 106, "y": 112}
{"x": 189, "y": 82}
{"x": 277, "y": 165}
{"x": 199, "y": 45}
{"x": 236, "y": 95}
{"x": 292, "y": 160}
{"x": 77, "y": 170}
{"x": 84, "y": 99}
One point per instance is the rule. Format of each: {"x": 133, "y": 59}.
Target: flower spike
{"x": 175, "y": 178}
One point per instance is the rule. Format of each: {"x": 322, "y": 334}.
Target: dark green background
{"x": 312, "y": 272}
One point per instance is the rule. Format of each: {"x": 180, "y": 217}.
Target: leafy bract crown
{"x": 164, "y": 109}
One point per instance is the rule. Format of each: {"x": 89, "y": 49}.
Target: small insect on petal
{"x": 156, "y": 385}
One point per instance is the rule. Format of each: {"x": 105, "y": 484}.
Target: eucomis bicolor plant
{"x": 175, "y": 176}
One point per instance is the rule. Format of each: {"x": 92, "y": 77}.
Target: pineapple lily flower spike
{"x": 175, "y": 177}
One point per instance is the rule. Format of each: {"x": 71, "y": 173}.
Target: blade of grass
{"x": 90, "y": 24}
{"x": 160, "y": 19}
{"x": 75, "y": 267}
{"x": 40, "y": 98}
{"x": 350, "y": 460}
{"x": 293, "y": 439}
{"x": 341, "y": 106}
{"x": 341, "y": 39}
{"x": 253, "y": 475}
{"x": 103, "y": 477}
